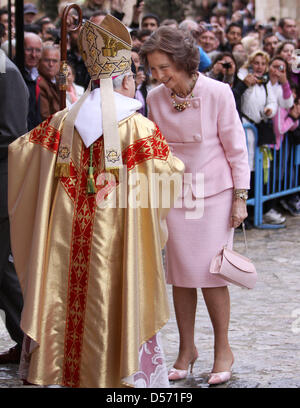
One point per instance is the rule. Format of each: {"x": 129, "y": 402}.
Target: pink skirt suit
{"x": 209, "y": 138}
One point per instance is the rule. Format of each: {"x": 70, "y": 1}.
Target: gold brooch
{"x": 181, "y": 106}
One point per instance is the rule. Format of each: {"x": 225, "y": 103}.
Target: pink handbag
{"x": 234, "y": 268}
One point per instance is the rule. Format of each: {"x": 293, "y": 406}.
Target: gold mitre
{"x": 106, "y": 51}
{"x": 105, "y": 48}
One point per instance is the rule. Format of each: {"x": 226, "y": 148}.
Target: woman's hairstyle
{"x": 248, "y": 41}
{"x": 282, "y": 45}
{"x": 169, "y": 21}
{"x": 179, "y": 45}
{"x": 277, "y": 56}
{"x": 279, "y": 59}
{"x": 258, "y": 53}
{"x": 72, "y": 67}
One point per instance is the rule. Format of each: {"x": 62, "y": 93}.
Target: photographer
{"x": 288, "y": 121}
{"x": 258, "y": 104}
{"x": 285, "y": 120}
{"x": 258, "y": 101}
{"x": 224, "y": 69}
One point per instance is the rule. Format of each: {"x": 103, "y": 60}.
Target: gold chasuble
{"x": 91, "y": 273}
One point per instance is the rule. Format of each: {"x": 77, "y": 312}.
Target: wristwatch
{"x": 241, "y": 193}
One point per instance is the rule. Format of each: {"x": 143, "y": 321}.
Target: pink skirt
{"x": 192, "y": 243}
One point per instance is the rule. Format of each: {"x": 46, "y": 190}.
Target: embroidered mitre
{"x": 106, "y": 51}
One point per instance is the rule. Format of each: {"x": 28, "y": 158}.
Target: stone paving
{"x": 265, "y": 322}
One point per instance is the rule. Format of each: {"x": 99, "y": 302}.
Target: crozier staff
{"x": 65, "y": 25}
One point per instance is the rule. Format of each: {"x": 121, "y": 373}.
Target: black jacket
{"x": 34, "y": 115}
{"x": 13, "y": 114}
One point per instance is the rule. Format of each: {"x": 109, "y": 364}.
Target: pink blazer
{"x": 207, "y": 136}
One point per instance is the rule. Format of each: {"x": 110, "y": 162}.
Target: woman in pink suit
{"x": 198, "y": 117}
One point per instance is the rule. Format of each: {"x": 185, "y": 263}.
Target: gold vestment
{"x": 92, "y": 278}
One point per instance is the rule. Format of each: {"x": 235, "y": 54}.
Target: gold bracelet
{"x": 241, "y": 193}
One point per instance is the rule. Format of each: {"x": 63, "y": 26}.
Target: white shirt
{"x": 33, "y": 72}
{"x": 254, "y": 99}
{"x": 283, "y": 103}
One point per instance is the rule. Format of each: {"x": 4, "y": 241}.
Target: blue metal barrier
{"x": 278, "y": 179}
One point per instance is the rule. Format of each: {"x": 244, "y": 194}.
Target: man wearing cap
{"x": 150, "y": 22}
{"x": 30, "y": 11}
{"x": 82, "y": 191}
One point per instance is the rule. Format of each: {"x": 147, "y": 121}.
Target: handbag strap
{"x": 245, "y": 238}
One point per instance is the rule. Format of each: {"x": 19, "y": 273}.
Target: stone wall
{"x": 277, "y": 8}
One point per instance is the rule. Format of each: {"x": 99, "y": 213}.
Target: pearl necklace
{"x": 185, "y": 104}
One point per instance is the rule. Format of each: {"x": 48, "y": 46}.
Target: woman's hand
{"x": 140, "y": 78}
{"x": 238, "y": 212}
{"x": 282, "y": 77}
{"x": 137, "y": 11}
{"x": 217, "y": 68}
{"x": 250, "y": 80}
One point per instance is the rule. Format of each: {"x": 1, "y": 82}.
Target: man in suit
{"x": 13, "y": 123}
{"x": 49, "y": 90}
{"x": 32, "y": 55}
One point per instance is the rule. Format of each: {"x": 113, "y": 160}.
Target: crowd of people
{"x": 255, "y": 60}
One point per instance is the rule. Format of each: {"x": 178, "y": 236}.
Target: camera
{"x": 281, "y": 68}
{"x": 141, "y": 68}
{"x": 209, "y": 27}
{"x": 263, "y": 80}
{"x": 226, "y": 65}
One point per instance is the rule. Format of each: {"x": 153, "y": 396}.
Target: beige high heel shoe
{"x": 175, "y": 374}
{"x": 219, "y": 378}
